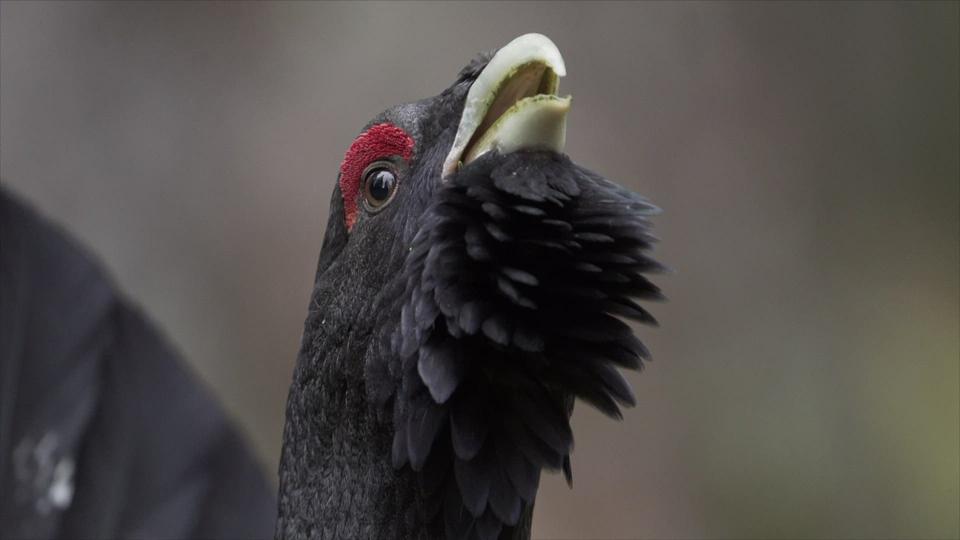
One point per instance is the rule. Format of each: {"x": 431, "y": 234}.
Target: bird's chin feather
{"x": 513, "y": 295}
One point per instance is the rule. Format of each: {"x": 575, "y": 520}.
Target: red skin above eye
{"x": 379, "y": 142}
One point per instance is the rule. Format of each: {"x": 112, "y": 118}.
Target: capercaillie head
{"x": 473, "y": 282}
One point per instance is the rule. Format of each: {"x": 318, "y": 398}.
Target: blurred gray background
{"x": 806, "y": 156}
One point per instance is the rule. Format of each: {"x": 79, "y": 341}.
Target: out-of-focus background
{"x": 806, "y": 378}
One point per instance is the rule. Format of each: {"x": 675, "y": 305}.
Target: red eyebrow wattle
{"x": 380, "y": 141}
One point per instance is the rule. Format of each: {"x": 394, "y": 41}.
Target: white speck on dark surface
{"x": 43, "y": 476}
{"x": 61, "y": 490}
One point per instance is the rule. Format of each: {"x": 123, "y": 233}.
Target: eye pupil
{"x": 381, "y": 184}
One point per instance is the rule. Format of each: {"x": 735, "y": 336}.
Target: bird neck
{"x": 336, "y": 478}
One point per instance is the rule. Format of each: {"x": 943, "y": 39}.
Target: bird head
{"x": 392, "y": 171}
{"x": 473, "y": 282}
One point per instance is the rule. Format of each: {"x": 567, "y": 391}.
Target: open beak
{"x": 513, "y": 104}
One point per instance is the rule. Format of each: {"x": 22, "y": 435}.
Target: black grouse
{"x": 473, "y": 281}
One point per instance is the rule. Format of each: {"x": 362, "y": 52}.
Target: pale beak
{"x": 513, "y": 104}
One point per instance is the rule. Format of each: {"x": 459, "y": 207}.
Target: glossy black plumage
{"x": 513, "y": 295}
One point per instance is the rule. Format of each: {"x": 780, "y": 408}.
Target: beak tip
{"x": 541, "y": 47}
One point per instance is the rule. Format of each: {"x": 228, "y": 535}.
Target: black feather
{"x": 524, "y": 476}
{"x": 539, "y": 414}
{"x": 514, "y": 290}
{"x": 504, "y": 500}
{"x": 458, "y": 522}
{"x": 533, "y": 448}
{"x": 497, "y": 329}
{"x": 441, "y": 367}
{"x": 473, "y": 479}
{"x": 488, "y": 527}
{"x": 423, "y": 424}
{"x": 399, "y": 449}
{"x": 472, "y": 315}
{"x": 468, "y": 425}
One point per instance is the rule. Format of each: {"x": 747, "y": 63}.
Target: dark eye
{"x": 379, "y": 184}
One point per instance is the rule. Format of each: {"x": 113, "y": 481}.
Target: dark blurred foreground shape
{"x": 103, "y": 431}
